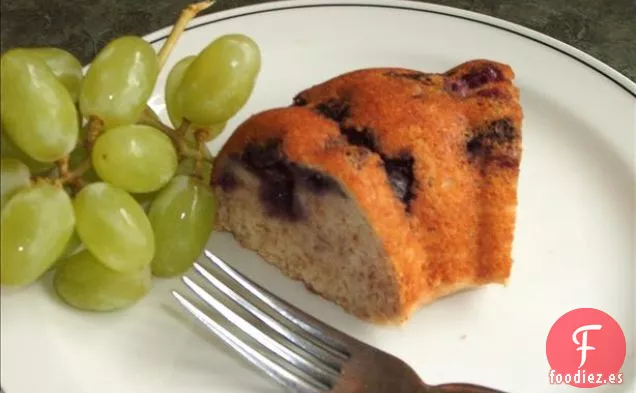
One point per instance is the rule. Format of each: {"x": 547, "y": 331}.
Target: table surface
{"x": 605, "y": 29}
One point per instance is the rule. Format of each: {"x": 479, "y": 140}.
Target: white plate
{"x": 574, "y": 238}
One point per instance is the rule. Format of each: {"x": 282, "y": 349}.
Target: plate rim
{"x": 620, "y": 80}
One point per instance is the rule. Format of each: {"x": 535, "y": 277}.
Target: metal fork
{"x": 311, "y": 357}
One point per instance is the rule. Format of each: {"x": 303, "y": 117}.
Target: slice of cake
{"x": 381, "y": 189}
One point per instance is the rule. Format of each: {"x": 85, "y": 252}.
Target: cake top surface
{"x": 432, "y": 160}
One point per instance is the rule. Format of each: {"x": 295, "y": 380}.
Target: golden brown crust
{"x": 462, "y": 131}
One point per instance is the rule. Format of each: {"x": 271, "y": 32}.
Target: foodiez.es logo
{"x": 586, "y": 348}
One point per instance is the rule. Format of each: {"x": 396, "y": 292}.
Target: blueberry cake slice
{"x": 381, "y": 189}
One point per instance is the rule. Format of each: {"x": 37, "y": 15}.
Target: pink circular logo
{"x": 586, "y": 348}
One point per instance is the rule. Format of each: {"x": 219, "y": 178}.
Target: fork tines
{"x": 308, "y": 356}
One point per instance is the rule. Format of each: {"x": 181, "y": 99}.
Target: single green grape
{"x": 136, "y": 158}
{"x": 83, "y": 282}
{"x": 65, "y": 67}
{"x": 182, "y": 218}
{"x": 220, "y": 80}
{"x": 114, "y": 227}
{"x": 37, "y": 223}
{"x": 173, "y": 83}
{"x": 119, "y": 82}
{"x": 38, "y": 113}
{"x": 187, "y": 167}
{"x": 172, "y": 87}
{"x": 9, "y": 150}
{"x": 14, "y": 176}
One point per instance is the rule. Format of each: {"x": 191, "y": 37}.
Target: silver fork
{"x": 311, "y": 357}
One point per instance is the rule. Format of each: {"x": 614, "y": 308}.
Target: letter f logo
{"x": 583, "y": 344}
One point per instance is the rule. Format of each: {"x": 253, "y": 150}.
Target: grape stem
{"x": 78, "y": 171}
{"x": 62, "y": 166}
{"x": 199, "y": 136}
{"x": 95, "y": 127}
{"x": 186, "y": 16}
{"x": 149, "y": 118}
{"x": 183, "y": 128}
{"x": 74, "y": 177}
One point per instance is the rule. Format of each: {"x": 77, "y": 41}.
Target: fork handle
{"x": 462, "y": 388}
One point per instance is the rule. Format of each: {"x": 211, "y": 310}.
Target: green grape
{"x": 173, "y": 83}
{"x": 14, "y": 176}
{"x": 182, "y": 218}
{"x": 9, "y": 150}
{"x": 137, "y": 158}
{"x": 38, "y": 113}
{"x": 220, "y": 80}
{"x": 187, "y": 167}
{"x": 82, "y": 282}
{"x": 172, "y": 87}
{"x": 64, "y": 65}
{"x": 119, "y": 82}
{"x": 113, "y": 227}
{"x": 37, "y": 224}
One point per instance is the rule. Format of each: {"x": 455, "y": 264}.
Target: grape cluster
{"x": 94, "y": 185}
